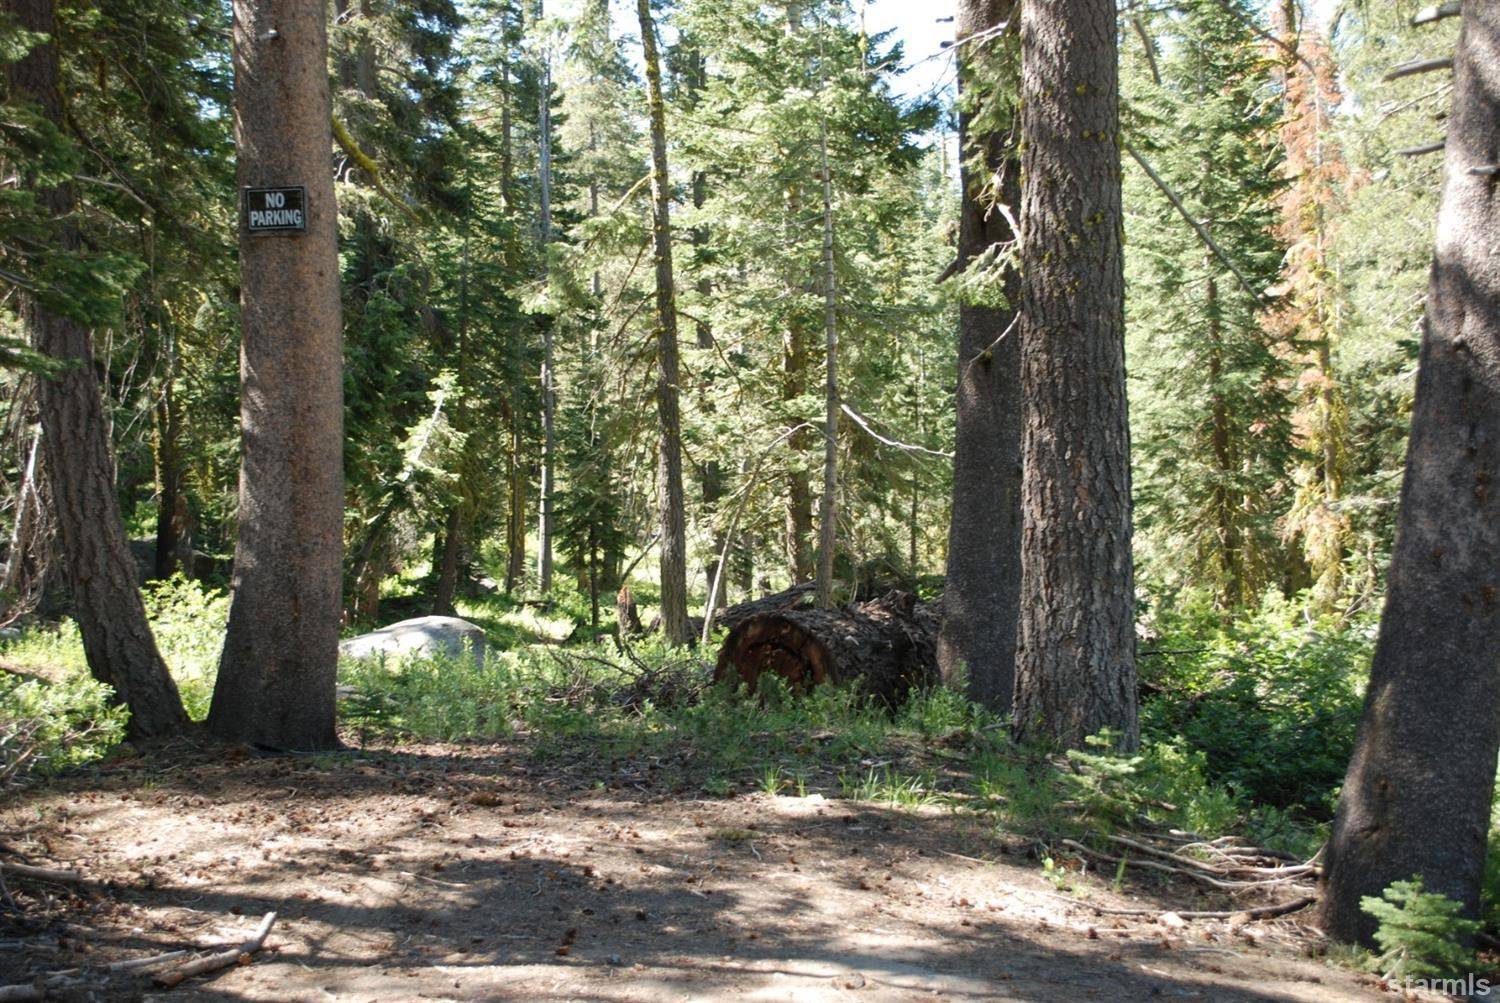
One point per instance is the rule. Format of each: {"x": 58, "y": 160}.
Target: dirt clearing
{"x": 443, "y": 872}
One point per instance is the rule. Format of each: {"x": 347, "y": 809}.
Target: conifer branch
{"x": 1198, "y": 227}
{"x": 367, "y": 164}
{"x": 1436, "y": 13}
{"x": 1416, "y": 66}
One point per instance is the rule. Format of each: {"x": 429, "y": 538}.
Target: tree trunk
{"x": 171, "y": 495}
{"x": 76, "y": 447}
{"x": 515, "y": 524}
{"x": 452, "y": 552}
{"x": 981, "y": 597}
{"x": 28, "y": 500}
{"x": 884, "y": 647}
{"x": 1075, "y": 662}
{"x": 828, "y": 503}
{"x": 549, "y": 389}
{"x": 1416, "y": 800}
{"x": 276, "y": 676}
{"x": 669, "y": 495}
{"x": 1226, "y": 503}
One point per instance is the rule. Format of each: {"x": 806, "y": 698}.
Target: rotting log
{"x": 884, "y": 647}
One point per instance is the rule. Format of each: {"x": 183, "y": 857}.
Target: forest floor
{"x": 487, "y": 872}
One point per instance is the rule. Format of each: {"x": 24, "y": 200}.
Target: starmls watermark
{"x": 1469, "y": 986}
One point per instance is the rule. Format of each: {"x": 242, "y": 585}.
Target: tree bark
{"x": 1416, "y": 799}
{"x": 172, "y": 549}
{"x": 549, "y": 389}
{"x": 76, "y": 448}
{"x": 982, "y": 593}
{"x": 884, "y": 647}
{"x": 515, "y": 523}
{"x": 669, "y": 494}
{"x": 1075, "y": 663}
{"x": 276, "y": 677}
{"x": 828, "y": 503}
{"x": 450, "y": 557}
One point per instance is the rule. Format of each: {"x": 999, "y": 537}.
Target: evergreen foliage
{"x": 1421, "y": 934}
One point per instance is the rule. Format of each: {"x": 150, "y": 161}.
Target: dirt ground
{"x": 481, "y": 873}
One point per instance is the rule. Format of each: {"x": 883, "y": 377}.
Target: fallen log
{"x": 884, "y": 647}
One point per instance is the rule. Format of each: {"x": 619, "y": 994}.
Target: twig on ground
{"x": 1259, "y": 912}
{"x": 44, "y": 873}
{"x": 219, "y": 960}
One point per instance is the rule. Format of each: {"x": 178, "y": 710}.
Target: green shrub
{"x": 188, "y": 619}
{"x": 50, "y": 726}
{"x": 1271, "y": 702}
{"x": 1421, "y": 934}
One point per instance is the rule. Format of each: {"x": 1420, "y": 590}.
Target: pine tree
{"x": 1075, "y": 662}
{"x": 1415, "y": 800}
{"x": 980, "y": 611}
{"x": 275, "y": 686}
{"x": 58, "y": 296}
{"x": 1211, "y": 431}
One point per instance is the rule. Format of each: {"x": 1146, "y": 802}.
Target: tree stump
{"x": 884, "y": 647}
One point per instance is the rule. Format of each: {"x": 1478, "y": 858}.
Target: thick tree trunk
{"x": 669, "y": 494}
{"x": 1075, "y": 662}
{"x": 1416, "y": 800}
{"x": 981, "y": 598}
{"x": 884, "y": 647}
{"x": 76, "y": 449}
{"x": 276, "y": 677}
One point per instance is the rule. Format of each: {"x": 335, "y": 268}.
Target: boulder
{"x": 423, "y": 635}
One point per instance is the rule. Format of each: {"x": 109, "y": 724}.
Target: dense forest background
{"x": 1270, "y": 374}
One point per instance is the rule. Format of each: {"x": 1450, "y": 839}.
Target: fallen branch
{"x": 220, "y": 960}
{"x": 1231, "y": 866}
{"x": 44, "y": 873}
{"x": 136, "y": 964}
{"x": 1156, "y": 865}
{"x": 1260, "y": 912}
{"x": 21, "y": 994}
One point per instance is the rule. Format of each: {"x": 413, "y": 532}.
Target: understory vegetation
{"x": 1245, "y": 726}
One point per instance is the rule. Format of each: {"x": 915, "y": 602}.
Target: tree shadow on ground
{"x": 471, "y": 872}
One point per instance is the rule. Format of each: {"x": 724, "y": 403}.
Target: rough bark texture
{"x": 76, "y": 450}
{"x": 1075, "y": 663}
{"x": 276, "y": 677}
{"x": 885, "y": 646}
{"x": 980, "y": 601}
{"x": 669, "y": 495}
{"x": 1416, "y": 799}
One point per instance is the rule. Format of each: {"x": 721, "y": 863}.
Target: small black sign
{"x": 276, "y": 210}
